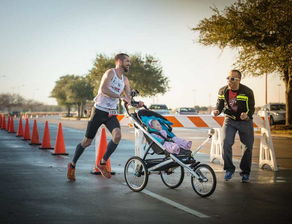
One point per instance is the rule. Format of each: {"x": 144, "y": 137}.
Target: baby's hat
{"x": 150, "y": 123}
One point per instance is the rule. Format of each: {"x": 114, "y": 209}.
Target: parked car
{"x": 277, "y": 112}
{"x": 186, "y": 111}
{"x": 159, "y": 108}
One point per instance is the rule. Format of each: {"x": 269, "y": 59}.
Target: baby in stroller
{"x": 177, "y": 158}
{"x": 172, "y": 144}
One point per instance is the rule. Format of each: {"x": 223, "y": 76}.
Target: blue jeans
{"x": 246, "y": 136}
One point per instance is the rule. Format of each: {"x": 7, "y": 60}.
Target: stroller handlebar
{"x": 133, "y": 102}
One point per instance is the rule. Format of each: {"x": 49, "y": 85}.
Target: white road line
{"x": 174, "y": 204}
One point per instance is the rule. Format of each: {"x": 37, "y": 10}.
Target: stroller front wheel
{"x": 173, "y": 177}
{"x": 136, "y": 174}
{"x": 206, "y": 183}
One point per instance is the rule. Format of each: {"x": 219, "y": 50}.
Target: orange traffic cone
{"x": 46, "y": 138}
{"x": 3, "y": 123}
{"x": 11, "y": 126}
{"x": 20, "y": 129}
{"x": 26, "y": 135}
{"x": 8, "y": 123}
{"x": 35, "y": 135}
{"x": 60, "y": 148}
{"x": 100, "y": 151}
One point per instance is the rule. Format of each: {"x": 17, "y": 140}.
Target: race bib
{"x": 112, "y": 112}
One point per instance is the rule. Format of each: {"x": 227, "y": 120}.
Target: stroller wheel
{"x": 136, "y": 174}
{"x": 206, "y": 183}
{"x": 173, "y": 177}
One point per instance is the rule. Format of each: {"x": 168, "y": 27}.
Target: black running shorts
{"x": 97, "y": 118}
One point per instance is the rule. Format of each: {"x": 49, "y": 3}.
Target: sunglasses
{"x": 232, "y": 78}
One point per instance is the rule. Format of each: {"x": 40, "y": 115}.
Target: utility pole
{"x": 210, "y": 106}
{"x": 194, "y": 91}
{"x": 279, "y": 85}
{"x": 266, "y": 89}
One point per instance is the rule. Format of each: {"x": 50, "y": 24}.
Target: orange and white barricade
{"x": 267, "y": 153}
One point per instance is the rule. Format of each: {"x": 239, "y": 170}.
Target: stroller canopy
{"x": 147, "y": 115}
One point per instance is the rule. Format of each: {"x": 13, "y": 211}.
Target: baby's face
{"x": 156, "y": 125}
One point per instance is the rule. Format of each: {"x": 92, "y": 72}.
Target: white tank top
{"x": 106, "y": 103}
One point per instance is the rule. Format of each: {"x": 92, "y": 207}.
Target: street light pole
{"x": 279, "y": 85}
{"x": 210, "y": 107}
{"x": 266, "y": 89}
{"x": 194, "y": 91}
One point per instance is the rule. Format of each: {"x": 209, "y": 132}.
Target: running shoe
{"x": 228, "y": 175}
{"x": 71, "y": 172}
{"x": 103, "y": 170}
{"x": 244, "y": 178}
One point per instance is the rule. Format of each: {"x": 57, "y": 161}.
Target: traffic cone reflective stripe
{"x": 100, "y": 151}
{"x": 26, "y": 135}
{"x": 60, "y": 148}
{"x": 11, "y": 126}
{"x": 20, "y": 129}
{"x": 46, "y": 143}
{"x": 35, "y": 135}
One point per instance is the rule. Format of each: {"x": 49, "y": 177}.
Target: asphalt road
{"x": 34, "y": 189}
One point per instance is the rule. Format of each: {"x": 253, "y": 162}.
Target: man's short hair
{"x": 238, "y": 72}
{"x": 121, "y": 56}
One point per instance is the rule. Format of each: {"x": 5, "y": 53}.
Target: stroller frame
{"x": 172, "y": 157}
{"x": 138, "y": 168}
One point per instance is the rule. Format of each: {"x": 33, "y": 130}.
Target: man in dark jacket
{"x": 236, "y": 101}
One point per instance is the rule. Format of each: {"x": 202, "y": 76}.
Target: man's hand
{"x": 243, "y": 116}
{"x": 215, "y": 113}
{"x": 141, "y": 104}
{"x": 126, "y": 100}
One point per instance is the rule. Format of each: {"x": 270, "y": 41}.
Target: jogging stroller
{"x": 170, "y": 167}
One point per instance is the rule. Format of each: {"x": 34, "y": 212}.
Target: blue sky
{"x": 43, "y": 40}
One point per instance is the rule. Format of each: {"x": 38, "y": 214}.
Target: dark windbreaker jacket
{"x": 245, "y": 102}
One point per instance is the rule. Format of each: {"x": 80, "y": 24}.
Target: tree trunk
{"x": 82, "y": 109}
{"x": 78, "y": 110}
{"x": 68, "y": 111}
{"x": 288, "y": 95}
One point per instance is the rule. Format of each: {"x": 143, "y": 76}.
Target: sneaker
{"x": 71, "y": 172}
{"x": 103, "y": 170}
{"x": 245, "y": 178}
{"x": 228, "y": 175}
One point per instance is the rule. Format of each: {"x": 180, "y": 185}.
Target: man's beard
{"x": 126, "y": 69}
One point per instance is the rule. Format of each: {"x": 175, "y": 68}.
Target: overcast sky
{"x": 41, "y": 40}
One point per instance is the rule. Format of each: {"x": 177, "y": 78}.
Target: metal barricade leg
{"x": 267, "y": 152}
{"x": 216, "y": 151}
{"x": 139, "y": 142}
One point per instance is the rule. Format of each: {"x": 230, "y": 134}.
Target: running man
{"x": 113, "y": 85}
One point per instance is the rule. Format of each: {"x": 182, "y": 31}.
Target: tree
{"x": 79, "y": 91}
{"x": 145, "y": 75}
{"x": 8, "y": 101}
{"x": 61, "y": 91}
{"x": 16, "y": 102}
{"x": 261, "y": 31}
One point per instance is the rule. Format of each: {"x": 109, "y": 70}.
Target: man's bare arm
{"x": 105, "y": 83}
